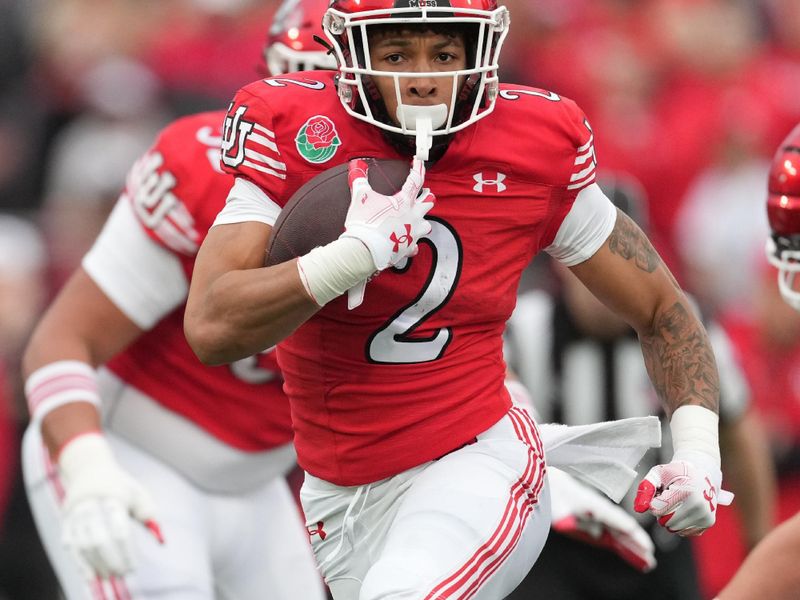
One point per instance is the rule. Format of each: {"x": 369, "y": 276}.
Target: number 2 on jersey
{"x": 393, "y": 342}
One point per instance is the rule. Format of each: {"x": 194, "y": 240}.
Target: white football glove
{"x": 683, "y": 494}
{"x": 101, "y": 498}
{"x": 389, "y": 226}
{"x": 584, "y": 514}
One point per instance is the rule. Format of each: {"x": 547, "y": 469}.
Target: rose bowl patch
{"x": 317, "y": 140}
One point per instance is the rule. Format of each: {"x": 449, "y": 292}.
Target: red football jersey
{"x": 417, "y": 370}
{"x": 176, "y": 189}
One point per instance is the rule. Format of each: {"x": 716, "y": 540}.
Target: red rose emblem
{"x": 320, "y": 132}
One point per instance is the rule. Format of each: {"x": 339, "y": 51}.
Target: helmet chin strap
{"x": 422, "y": 120}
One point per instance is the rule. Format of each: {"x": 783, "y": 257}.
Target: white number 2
{"x": 393, "y": 343}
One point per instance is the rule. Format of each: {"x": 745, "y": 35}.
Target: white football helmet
{"x": 346, "y": 25}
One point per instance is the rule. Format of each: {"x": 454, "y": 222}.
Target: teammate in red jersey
{"x": 422, "y": 480}
{"x": 196, "y": 454}
{"x": 770, "y": 571}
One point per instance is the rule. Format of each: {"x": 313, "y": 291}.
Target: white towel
{"x": 602, "y": 455}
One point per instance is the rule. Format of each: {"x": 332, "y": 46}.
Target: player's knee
{"x": 392, "y": 579}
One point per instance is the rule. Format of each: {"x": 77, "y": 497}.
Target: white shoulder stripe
{"x": 587, "y": 145}
{"x": 582, "y": 183}
{"x": 275, "y": 164}
{"x": 264, "y": 130}
{"x": 263, "y": 141}
{"x": 583, "y": 174}
{"x": 264, "y": 169}
{"x": 582, "y": 158}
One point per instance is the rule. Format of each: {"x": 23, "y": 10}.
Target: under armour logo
{"x": 317, "y": 531}
{"x": 403, "y": 239}
{"x": 709, "y": 495}
{"x": 497, "y": 182}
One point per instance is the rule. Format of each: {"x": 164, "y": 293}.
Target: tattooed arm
{"x": 630, "y": 278}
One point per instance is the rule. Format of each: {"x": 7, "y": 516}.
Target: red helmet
{"x": 290, "y": 43}
{"x": 346, "y": 23}
{"x": 783, "y": 212}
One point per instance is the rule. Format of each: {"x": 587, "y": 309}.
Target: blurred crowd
{"x": 687, "y": 97}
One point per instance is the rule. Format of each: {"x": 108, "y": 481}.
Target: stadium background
{"x": 689, "y": 97}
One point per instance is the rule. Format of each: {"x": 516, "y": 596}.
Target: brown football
{"x": 314, "y": 215}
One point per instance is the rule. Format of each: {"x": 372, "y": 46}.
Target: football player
{"x": 422, "y": 480}
{"x": 196, "y": 455}
{"x": 770, "y": 571}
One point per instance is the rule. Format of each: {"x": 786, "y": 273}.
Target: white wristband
{"x": 86, "y": 451}
{"x": 695, "y": 430}
{"x": 60, "y": 383}
{"x": 329, "y": 271}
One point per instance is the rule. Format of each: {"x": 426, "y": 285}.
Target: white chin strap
{"x": 422, "y": 120}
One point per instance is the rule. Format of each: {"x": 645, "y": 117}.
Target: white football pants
{"x": 248, "y": 546}
{"x": 468, "y": 525}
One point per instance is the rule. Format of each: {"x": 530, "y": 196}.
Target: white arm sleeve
{"x": 247, "y": 202}
{"x": 585, "y": 228}
{"x": 143, "y": 279}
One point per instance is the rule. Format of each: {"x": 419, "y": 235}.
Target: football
{"x": 314, "y": 215}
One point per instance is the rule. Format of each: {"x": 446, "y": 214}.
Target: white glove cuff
{"x": 329, "y": 271}
{"x": 695, "y": 436}
{"x": 87, "y": 452}
{"x": 59, "y": 383}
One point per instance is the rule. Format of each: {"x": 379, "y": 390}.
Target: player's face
{"x": 417, "y": 52}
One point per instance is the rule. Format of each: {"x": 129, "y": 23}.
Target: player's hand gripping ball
{"x": 315, "y": 214}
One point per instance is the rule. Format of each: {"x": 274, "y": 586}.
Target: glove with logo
{"x": 100, "y": 500}
{"x": 683, "y": 494}
{"x": 584, "y": 514}
{"x": 389, "y": 226}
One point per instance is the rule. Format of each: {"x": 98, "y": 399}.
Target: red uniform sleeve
{"x": 153, "y": 188}
{"x": 250, "y": 148}
{"x": 584, "y": 166}
{"x": 579, "y": 171}
{"x": 178, "y": 187}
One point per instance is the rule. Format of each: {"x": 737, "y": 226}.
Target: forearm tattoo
{"x": 680, "y": 361}
{"x": 628, "y": 241}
